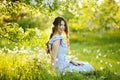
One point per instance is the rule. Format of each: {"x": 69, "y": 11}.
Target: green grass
{"x": 102, "y": 51}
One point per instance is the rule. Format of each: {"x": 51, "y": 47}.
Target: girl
{"x": 57, "y": 48}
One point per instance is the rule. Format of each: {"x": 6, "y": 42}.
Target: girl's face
{"x": 61, "y": 27}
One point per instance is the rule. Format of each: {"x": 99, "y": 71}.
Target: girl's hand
{"x": 76, "y": 63}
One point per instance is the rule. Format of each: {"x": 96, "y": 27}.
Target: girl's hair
{"x": 56, "y": 22}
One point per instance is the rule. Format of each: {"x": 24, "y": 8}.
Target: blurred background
{"x": 94, "y": 29}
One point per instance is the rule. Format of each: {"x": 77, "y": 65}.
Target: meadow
{"x": 101, "y": 50}
{"x": 94, "y": 37}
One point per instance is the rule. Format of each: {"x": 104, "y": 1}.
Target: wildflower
{"x": 104, "y": 56}
{"x": 99, "y": 54}
{"x": 98, "y": 50}
{"x": 101, "y": 61}
{"x": 37, "y": 31}
{"x": 38, "y": 60}
{"x": 10, "y": 51}
{"x": 118, "y": 62}
{"x": 101, "y": 68}
{"x": 63, "y": 73}
{"x": 115, "y": 73}
{"x": 86, "y": 51}
{"x": 110, "y": 65}
{"x": 106, "y": 62}
{"x": 22, "y": 48}
{"x": 12, "y": 69}
{"x": 80, "y": 4}
{"x": 97, "y": 57}
{"x": 93, "y": 9}
{"x": 49, "y": 71}
{"x": 16, "y": 48}
{"x": 21, "y": 30}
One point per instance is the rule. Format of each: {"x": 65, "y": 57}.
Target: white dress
{"x": 62, "y": 64}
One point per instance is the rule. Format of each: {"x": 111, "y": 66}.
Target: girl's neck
{"x": 57, "y": 33}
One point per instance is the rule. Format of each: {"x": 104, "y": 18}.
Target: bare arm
{"x": 54, "y": 51}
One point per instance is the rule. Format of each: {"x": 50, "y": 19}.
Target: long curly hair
{"x": 56, "y": 22}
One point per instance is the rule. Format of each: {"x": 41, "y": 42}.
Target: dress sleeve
{"x": 54, "y": 38}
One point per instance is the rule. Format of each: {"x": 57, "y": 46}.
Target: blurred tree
{"x": 81, "y": 14}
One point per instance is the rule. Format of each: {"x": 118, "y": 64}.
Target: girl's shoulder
{"x": 55, "y": 37}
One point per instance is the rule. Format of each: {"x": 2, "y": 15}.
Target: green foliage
{"x": 12, "y": 32}
{"x": 84, "y": 15}
{"x": 24, "y": 30}
{"x": 24, "y": 15}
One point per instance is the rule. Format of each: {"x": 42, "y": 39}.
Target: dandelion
{"x": 86, "y": 51}
{"x": 106, "y": 62}
{"x": 16, "y": 48}
{"x": 63, "y": 73}
{"x": 97, "y": 57}
{"x": 36, "y": 48}
{"x": 101, "y": 61}
{"x": 38, "y": 60}
{"x": 12, "y": 69}
{"x": 98, "y": 50}
{"x": 29, "y": 50}
{"x": 118, "y": 62}
{"x": 93, "y": 9}
{"x": 115, "y": 73}
{"x": 101, "y": 68}
{"x": 80, "y": 4}
{"x": 104, "y": 56}
{"x": 10, "y": 51}
{"x": 33, "y": 2}
{"x": 99, "y": 54}
{"x": 21, "y": 30}
{"x": 22, "y": 48}
{"x": 49, "y": 71}
{"x": 110, "y": 65}
{"x": 50, "y": 2}
{"x": 4, "y": 1}
{"x": 37, "y": 31}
